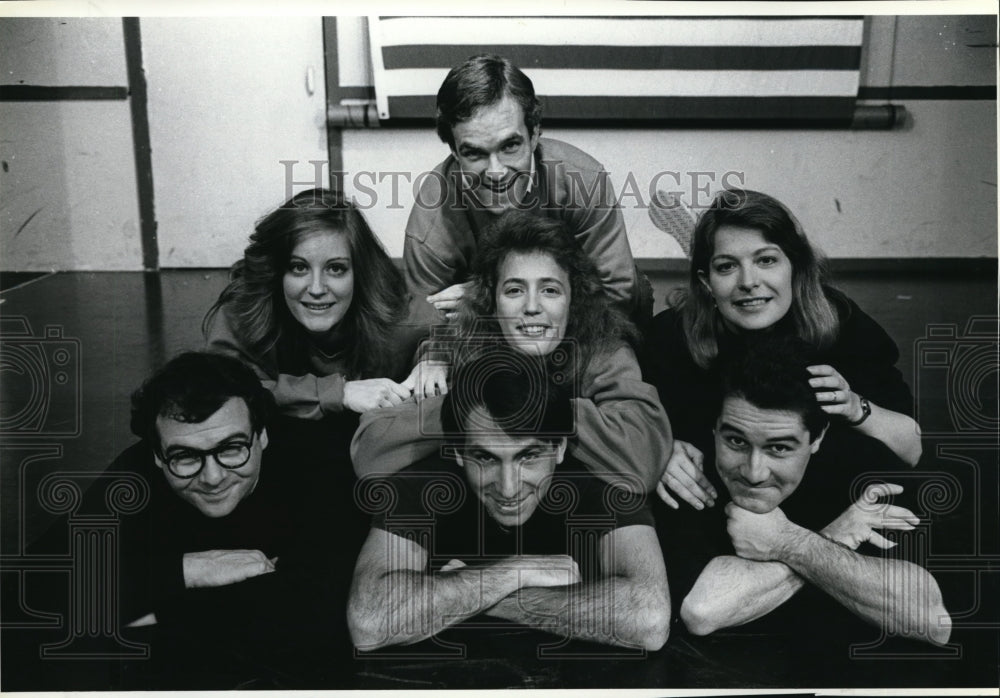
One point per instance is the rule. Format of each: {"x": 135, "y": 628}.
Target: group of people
{"x": 387, "y": 454}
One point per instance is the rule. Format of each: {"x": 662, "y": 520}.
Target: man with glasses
{"x": 232, "y": 547}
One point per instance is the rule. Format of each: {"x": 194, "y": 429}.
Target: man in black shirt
{"x": 230, "y": 559}
{"x": 769, "y": 426}
{"x": 510, "y": 529}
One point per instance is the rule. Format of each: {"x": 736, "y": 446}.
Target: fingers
{"x": 399, "y": 390}
{"x": 838, "y": 396}
{"x": 445, "y": 306}
{"x": 880, "y": 542}
{"x": 899, "y": 517}
{"x": 448, "y": 295}
{"x": 661, "y": 490}
{"x": 830, "y": 386}
{"x": 692, "y": 451}
{"x": 822, "y": 370}
{"x": 877, "y": 490}
{"x": 694, "y": 471}
{"x": 685, "y": 477}
{"x": 688, "y": 489}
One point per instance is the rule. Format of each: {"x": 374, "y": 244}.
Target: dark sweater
{"x": 863, "y": 354}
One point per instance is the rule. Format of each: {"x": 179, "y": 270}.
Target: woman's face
{"x": 749, "y": 278}
{"x": 319, "y": 281}
{"x": 532, "y": 297}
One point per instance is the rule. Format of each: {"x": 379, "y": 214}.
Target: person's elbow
{"x": 940, "y": 630}
{"x": 657, "y": 631}
{"x": 697, "y": 616}
{"x": 939, "y": 620}
{"x": 366, "y": 632}
{"x": 655, "y": 625}
{"x": 916, "y": 452}
{"x": 914, "y": 446}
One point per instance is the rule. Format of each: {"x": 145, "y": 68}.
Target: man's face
{"x": 509, "y": 474}
{"x": 761, "y": 454}
{"x": 215, "y": 491}
{"x": 494, "y": 150}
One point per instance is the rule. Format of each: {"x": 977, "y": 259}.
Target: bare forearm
{"x": 896, "y": 595}
{"x": 612, "y": 610}
{"x": 408, "y": 606}
{"x": 733, "y": 591}
{"x": 897, "y": 431}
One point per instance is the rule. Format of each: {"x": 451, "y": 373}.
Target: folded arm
{"x": 733, "y": 591}
{"x": 628, "y": 604}
{"x": 899, "y": 596}
{"x": 394, "y": 599}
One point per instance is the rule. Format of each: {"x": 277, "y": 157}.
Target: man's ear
{"x": 263, "y": 438}
{"x": 159, "y": 461}
{"x": 814, "y": 446}
{"x": 560, "y": 450}
{"x": 535, "y": 135}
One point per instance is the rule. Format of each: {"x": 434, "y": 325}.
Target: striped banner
{"x": 716, "y": 68}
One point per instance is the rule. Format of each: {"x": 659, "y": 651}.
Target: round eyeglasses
{"x": 188, "y": 463}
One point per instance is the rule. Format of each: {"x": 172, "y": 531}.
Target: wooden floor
{"x": 76, "y": 344}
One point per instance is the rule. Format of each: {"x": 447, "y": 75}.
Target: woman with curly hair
{"x": 533, "y": 288}
{"x": 317, "y": 308}
{"x": 754, "y": 274}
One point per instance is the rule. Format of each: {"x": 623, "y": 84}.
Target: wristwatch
{"x": 866, "y": 412}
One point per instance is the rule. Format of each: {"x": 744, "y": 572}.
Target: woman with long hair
{"x": 316, "y": 306}
{"x": 754, "y": 273}
{"x": 533, "y": 288}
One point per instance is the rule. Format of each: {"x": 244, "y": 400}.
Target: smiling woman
{"x": 535, "y": 290}
{"x": 317, "y": 307}
{"x": 754, "y": 273}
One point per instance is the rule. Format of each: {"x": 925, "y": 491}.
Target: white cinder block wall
{"x": 228, "y": 100}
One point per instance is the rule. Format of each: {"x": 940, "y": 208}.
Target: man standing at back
{"x": 489, "y": 116}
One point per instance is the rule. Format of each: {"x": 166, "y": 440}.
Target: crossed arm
{"x": 395, "y": 600}
{"x": 777, "y": 557}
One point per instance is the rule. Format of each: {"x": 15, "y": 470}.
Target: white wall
{"x": 927, "y": 189}
{"x": 227, "y": 102}
{"x": 67, "y": 184}
{"x": 924, "y": 191}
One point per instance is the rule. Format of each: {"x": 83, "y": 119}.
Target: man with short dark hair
{"x": 489, "y": 116}
{"x": 232, "y": 547}
{"x": 769, "y": 425}
{"x": 511, "y": 529}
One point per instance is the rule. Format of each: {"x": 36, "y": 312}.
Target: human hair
{"x": 513, "y": 389}
{"x": 595, "y": 325}
{"x": 813, "y": 314}
{"x": 772, "y": 375}
{"x": 256, "y": 298}
{"x": 482, "y": 81}
{"x": 192, "y": 387}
